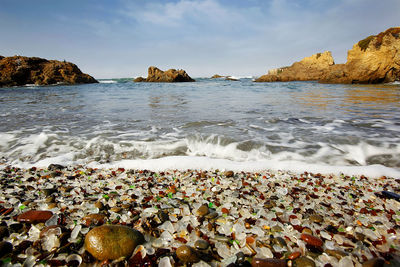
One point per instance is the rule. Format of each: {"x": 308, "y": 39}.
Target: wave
{"x": 108, "y": 81}
{"x": 172, "y": 151}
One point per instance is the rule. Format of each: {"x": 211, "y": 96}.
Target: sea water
{"x": 208, "y": 124}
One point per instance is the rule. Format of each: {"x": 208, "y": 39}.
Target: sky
{"x": 121, "y": 38}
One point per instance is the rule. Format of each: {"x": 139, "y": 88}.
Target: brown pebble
{"x": 35, "y": 216}
{"x": 316, "y": 218}
{"x": 94, "y": 219}
{"x": 110, "y": 242}
{"x": 52, "y": 205}
{"x": 376, "y": 262}
{"x": 307, "y": 231}
{"x": 304, "y": 262}
{"x": 311, "y": 240}
{"x": 201, "y": 244}
{"x": 203, "y": 210}
{"x": 187, "y": 254}
{"x": 294, "y": 255}
{"x": 336, "y": 253}
{"x": 116, "y": 209}
{"x": 256, "y": 262}
{"x": 99, "y": 205}
{"x": 229, "y": 173}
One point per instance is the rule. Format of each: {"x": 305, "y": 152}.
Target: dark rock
{"x": 5, "y": 248}
{"x": 139, "y": 80}
{"x": 55, "y": 167}
{"x": 201, "y": 244}
{"x": 18, "y": 70}
{"x": 35, "y": 216}
{"x": 376, "y": 262}
{"x": 171, "y": 75}
{"x": 110, "y": 242}
{"x": 203, "y": 210}
{"x": 4, "y": 232}
{"x": 229, "y": 173}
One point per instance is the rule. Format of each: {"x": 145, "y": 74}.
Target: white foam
{"x": 107, "y": 81}
{"x": 205, "y": 163}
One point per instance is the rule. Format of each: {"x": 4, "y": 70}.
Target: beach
{"x": 200, "y": 218}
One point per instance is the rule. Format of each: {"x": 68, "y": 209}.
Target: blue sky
{"x": 123, "y": 38}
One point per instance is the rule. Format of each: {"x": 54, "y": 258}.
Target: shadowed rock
{"x": 18, "y": 70}
{"x": 169, "y": 76}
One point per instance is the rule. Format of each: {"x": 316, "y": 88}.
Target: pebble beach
{"x": 79, "y": 216}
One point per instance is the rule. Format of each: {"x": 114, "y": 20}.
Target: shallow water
{"x": 293, "y": 125}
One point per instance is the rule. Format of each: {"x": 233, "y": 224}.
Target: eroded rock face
{"x": 376, "y": 59}
{"x": 169, "y": 76}
{"x": 308, "y": 69}
{"x": 18, "y": 70}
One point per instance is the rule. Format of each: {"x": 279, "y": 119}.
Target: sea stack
{"x": 375, "y": 59}
{"x": 19, "y": 70}
{"x": 169, "y": 76}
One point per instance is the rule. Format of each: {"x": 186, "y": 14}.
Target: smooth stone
{"x": 116, "y": 209}
{"x": 201, "y": 244}
{"x": 16, "y": 227}
{"x": 187, "y": 254}
{"x": 48, "y": 191}
{"x": 211, "y": 215}
{"x": 229, "y": 173}
{"x": 336, "y": 253}
{"x": 279, "y": 241}
{"x": 94, "y": 219}
{"x": 110, "y": 242}
{"x": 203, "y": 210}
{"x": 269, "y": 204}
{"x": 359, "y": 236}
{"x": 52, "y": 205}
{"x": 99, "y": 205}
{"x": 5, "y": 248}
{"x": 376, "y": 262}
{"x": 276, "y": 229}
{"x": 304, "y": 262}
{"x": 307, "y": 231}
{"x": 4, "y": 232}
{"x": 35, "y": 216}
{"x": 256, "y": 262}
{"x": 316, "y": 218}
{"x": 294, "y": 255}
{"x": 311, "y": 240}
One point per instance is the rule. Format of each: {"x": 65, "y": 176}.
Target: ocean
{"x": 209, "y": 124}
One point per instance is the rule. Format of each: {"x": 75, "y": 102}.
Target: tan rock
{"x": 112, "y": 241}
{"x": 171, "y": 75}
{"x": 139, "y": 80}
{"x": 308, "y": 69}
{"x": 18, "y": 70}
{"x": 376, "y": 59}
{"x": 217, "y": 76}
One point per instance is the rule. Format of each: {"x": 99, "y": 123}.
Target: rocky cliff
{"x": 308, "y": 69}
{"x": 171, "y": 75}
{"x": 18, "y": 70}
{"x": 375, "y": 59}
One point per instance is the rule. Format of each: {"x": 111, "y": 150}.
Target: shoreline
{"x": 243, "y": 217}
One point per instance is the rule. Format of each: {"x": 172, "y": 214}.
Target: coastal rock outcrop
{"x": 308, "y": 69}
{"x": 375, "y": 59}
{"x": 19, "y": 70}
{"x": 168, "y": 76}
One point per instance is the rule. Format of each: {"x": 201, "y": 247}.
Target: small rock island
{"x": 376, "y": 59}
{"x": 19, "y": 70}
{"x": 169, "y": 76}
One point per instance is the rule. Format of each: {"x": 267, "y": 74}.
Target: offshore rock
{"x": 308, "y": 69}
{"x": 169, "y": 76}
{"x": 375, "y": 59}
{"x": 18, "y": 70}
{"x": 110, "y": 242}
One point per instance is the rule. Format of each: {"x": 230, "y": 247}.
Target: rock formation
{"x": 308, "y": 69}
{"x": 171, "y": 75}
{"x": 18, "y": 70}
{"x": 217, "y": 76}
{"x": 375, "y": 59}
